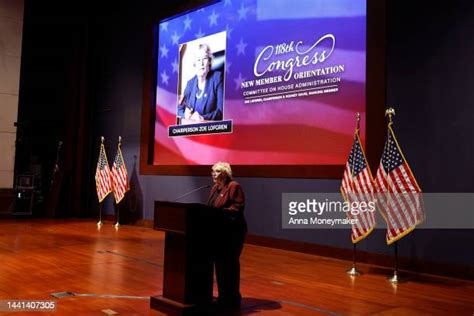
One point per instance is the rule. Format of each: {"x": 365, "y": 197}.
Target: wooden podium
{"x": 189, "y": 245}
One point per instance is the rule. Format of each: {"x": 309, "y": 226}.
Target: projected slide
{"x": 261, "y": 82}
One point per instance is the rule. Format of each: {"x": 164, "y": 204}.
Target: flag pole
{"x": 390, "y": 112}
{"x": 100, "y": 222}
{"x": 353, "y": 271}
{"x": 117, "y": 225}
{"x": 395, "y": 279}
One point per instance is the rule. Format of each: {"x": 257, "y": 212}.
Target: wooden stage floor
{"x": 107, "y": 271}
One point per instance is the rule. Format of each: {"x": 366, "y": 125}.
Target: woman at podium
{"x": 228, "y": 195}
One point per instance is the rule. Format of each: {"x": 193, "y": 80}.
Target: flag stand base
{"x": 395, "y": 279}
{"x": 353, "y": 271}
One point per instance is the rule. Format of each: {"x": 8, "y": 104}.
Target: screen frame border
{"x": 375, "y": 104}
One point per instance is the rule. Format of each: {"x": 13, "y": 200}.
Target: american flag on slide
{"x": 399, "y": 195}
{"x": 357, "y": 186}
{"x": 119, "y": 176}
{"x": 103, "y": 181}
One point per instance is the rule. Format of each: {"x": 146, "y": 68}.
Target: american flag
{"x": 399, "y": 195}
{"x": 119, "y": 176}
{"x": 357, "y": 186}
{"x": 103, "y": 182}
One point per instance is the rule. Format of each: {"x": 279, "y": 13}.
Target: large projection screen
{"x": 272, "y": 87}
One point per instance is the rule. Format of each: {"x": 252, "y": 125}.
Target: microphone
{"x": 192, "y": 191}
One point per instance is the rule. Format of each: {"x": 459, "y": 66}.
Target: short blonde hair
{"x": 207, "y": 49}
{"x": 223, "y": 167}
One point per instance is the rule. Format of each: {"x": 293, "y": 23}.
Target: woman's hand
{"x": 195, "y": 116}
{"x": 188, "y": 113}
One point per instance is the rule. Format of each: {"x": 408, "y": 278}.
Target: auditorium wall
{"x": 429, "y": 76}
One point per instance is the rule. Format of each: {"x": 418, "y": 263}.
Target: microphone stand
{"x": 190, "y": 192}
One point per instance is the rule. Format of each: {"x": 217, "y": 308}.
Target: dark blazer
{"x": 231, "y": 199}
{"x": 213, "y": 94}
